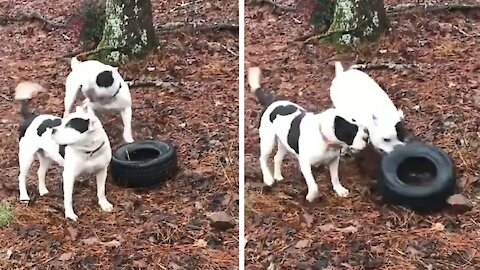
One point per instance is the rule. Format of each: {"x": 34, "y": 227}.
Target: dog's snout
{"x": 366, "y": 131}
{"x": 54, "y": 131}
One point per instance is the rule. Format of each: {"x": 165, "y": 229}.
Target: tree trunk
{"x": 356, "y": 22}
{"x": 128, "y": 32}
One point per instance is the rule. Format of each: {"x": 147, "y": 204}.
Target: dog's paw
{"x": 71, "y": 215}
{"x": 312, "y": 195}
{"x": 268, "y": 180}
{"x": 278, "y": 177}
{"x": 341, "y": 191}
{"x": 24, "y": 198}
{"x": 43, "y": 191}
{"x": 106, "y": 206}
{"x": 128, "y": 138}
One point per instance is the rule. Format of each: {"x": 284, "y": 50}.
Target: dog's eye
{"x": 386, "y": 139}
{"x": 353, "y": 120}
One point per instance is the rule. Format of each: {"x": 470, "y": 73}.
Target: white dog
{"x": 104, "y": 87}
{"x": 355, "y": 93}
{"x": 78, "y": 143}
{"x": 313, "y": 138}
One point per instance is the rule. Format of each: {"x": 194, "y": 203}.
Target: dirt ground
{"x": 359, "y": 232}
{"x": 164, "y": 228}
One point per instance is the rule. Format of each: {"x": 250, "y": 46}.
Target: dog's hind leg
{"x": 25, "y": 159}
{"x": 278, "y": 160}
{"x": 45, "y": 163}
{"x": 127, "y": 124}
{"x": 306, "y": 169}
{"x": 267, "y": 143}
{"x": 102, "y": 200}
{"x": 337, "y": 186}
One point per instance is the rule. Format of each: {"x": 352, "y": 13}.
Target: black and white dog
{"x": 358, "y": 95}
{"x": 313, "y": 138}
{"x": 77, "y": 142}
{"x": 104, "y": 87}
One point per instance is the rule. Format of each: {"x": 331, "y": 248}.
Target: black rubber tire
{"x": 143, "y": 173}
{"x": 428, "y": 197}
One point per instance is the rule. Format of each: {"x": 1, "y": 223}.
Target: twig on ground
{"x": 157, "y": 83}
{"x": 197, "y": 26}
{"x": 410, "y": 8}
{"x": 324, "y": 35}
{"x": 465, "y": 33}
{"x": 82, "y": 53}
{"x": 372, "y": 66}
{"x": 20, "y": 17}
{"x": 274, "y": 4}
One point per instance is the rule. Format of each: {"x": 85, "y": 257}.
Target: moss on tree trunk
{"x": 128, "y": 32}
{"x": 357, "y": 21}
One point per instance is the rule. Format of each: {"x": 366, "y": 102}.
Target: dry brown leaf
{"x": 327, "y": 227}
{"x": 72, "y": 232}
{"x": 113, "y": 243}
{"x": 438, "y": 227}
{"x": 303, "y": 243}
{"x": 65, "y": 256}
{"x": 90, "y": 240}
{"x": 349, "y": 229}
{"x": 308, "y": 220}
{"x": 378, "y": 249}
{"x": 140, "y": 264}
{"x": 200, "y": 243}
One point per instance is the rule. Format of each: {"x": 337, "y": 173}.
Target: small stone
{"x": 221, "y": 220}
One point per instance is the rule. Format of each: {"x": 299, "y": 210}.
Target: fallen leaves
{"x": 95, "y": 240}
{"x": 347, "y": 230}
{"x": 302, "y": 243}
{"x": 65, "y": 256}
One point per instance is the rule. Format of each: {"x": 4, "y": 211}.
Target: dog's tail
{"x": 74, "y": 62}
{"x": 338, "y": 68}
{"x": 23, "y": 93}
{"x": 253, "y": 76}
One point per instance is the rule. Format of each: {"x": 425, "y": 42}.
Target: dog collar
{"x": 116, "y": 93}
{"x": 96, "y": 150}
{"x": 329, "y": 143}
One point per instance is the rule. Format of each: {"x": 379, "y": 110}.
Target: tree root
{"x": 377, "y": 66}
{"x": 310, "y": 38}
{"x": 22, "y": 17}
{"x": 82, "y": 53}
{"x": 197, "y": 27}
{"x": 274, "y": 4}
{"x": 411, "y": 8}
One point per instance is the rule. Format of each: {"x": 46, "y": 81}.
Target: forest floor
{"x": 360, "y": 232}
{"x": 164, "y": 228}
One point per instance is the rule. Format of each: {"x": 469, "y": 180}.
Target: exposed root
{"x": 410, "y": 8}
{"x": 274, "y": 4}
{"x": 197, "y": 27}
{"x": 373, "y": 66}
{"x": 24, "y": 17}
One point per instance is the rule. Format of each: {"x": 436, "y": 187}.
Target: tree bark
{"x": 357, "y": 21}
{"x": 128, "y": 32}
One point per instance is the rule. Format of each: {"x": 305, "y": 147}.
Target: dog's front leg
{"x": 102, "y": 200}
{"x": 306, "y": 169}
{"x": 70, "y": 95}
{"x": 68, "y": 181}
{"x": 337, "y": 187}
{"x": 127, "y": 124}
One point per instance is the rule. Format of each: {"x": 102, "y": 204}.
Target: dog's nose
{"x": 54, "y": 130}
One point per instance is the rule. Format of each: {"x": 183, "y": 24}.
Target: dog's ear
{"x": 344, "y": 130}
{"x": 400, "y": 113}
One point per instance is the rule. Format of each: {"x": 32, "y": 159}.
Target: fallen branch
{"x": 21, "y": 17}
{"x": 156, "y": 83}
{"x": 274, "y": 4}
{"x": 410, "y": 8}
{"x": 373, "y": 66}
{"x": 197, "y": 27}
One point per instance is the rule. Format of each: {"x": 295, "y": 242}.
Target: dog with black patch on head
{"x": 104, "y": 87}
{"x": 313, "y": 138}
{"x": 77, "y": 142}
{"x": 358, "y": 95}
